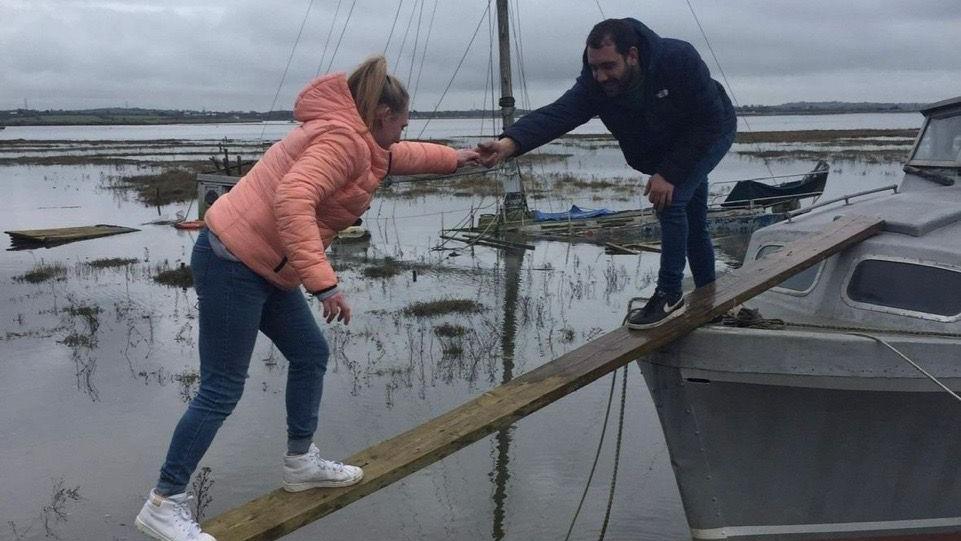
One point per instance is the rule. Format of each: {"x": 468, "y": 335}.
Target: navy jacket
{"x": 682, "y": 111}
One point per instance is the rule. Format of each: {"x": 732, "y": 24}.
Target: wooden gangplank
{"x": 279, "y": 513}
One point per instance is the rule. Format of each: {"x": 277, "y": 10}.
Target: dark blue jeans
{"x": 684, "y": 231}
{"x": 235, "y": 303}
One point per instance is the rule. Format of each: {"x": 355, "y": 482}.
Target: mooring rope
{"x": 597, "y": 456}
{"x": 909, "y": 361}
{"x": 617, "y": 457}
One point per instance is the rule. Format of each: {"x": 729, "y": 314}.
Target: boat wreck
{"x": 838, "y": 419}
{"x": 749, "y": 206}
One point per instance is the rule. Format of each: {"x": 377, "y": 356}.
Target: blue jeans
{"x": 684, "y": 230}
{"x": 235, "y": 303}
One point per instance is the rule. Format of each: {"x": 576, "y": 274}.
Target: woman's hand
{"x": 467, "y": 156}
{"x": 337, "y": 306}
{"x": 659, "y": 192}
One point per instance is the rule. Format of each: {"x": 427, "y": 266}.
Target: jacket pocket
{"x": 279, "y": 267}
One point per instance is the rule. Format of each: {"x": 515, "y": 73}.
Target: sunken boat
{"x": 832, "y": 412}
{"x": 749, "y": 206}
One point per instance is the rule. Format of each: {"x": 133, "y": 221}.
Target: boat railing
{"x": 846, "y": 198}
{"x": 757, "y": 201}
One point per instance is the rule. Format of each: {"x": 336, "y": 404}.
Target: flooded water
{"x": 98, "y": 364}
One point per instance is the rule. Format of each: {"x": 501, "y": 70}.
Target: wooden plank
{"x": 279, "y": 513}
{"x": 67, "y": 234}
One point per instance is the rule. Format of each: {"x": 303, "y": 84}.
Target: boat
{"x": 833, "y": 412}
{"x": 749, "y": 206}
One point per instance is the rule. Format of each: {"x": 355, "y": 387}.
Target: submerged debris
{"x": 386, "y": 269}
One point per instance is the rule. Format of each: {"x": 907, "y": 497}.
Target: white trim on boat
{"x": 886, "y": 526}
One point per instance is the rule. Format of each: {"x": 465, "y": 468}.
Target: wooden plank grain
{"x": 279, "y": 513}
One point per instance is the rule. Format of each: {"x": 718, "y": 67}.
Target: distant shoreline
{"x": 156, "y": 117}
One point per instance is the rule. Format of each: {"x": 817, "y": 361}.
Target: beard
{"x": 616, "y": 87}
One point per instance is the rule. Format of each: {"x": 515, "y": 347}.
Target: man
{"x": 672, "y": 121}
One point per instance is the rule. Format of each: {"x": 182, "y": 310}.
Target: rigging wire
{"x": 413, "y": 54}
{"x": 519, "y": 47}
{"x": 457, "y": 69}
{"x": 290, "y": 58}
{"x": 489, "y": 74}
{"x": 423, "y": 56}
{"x": 599, "y": 8}
{"x": 403, "y": 43}
{"x": 341, "y": 38}
{"x": 724, "y": 76}
{"x": 391, "y": 33}
{"x": 330, "y": 32}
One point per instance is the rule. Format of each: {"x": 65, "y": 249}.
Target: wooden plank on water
{"x": 279, "y": 513}
{"x": 67, "y": 234}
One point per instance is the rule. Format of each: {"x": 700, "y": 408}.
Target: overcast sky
{"x": 231, "y": 54}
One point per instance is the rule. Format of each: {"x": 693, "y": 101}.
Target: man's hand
{"x": 659, "y": 192}
{"x": 467, "y": 156}
{"x": 496, "y": 151}
{"x": 337, "y": 306}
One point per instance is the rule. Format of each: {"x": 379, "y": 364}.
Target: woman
{"x": 265, "y": 238}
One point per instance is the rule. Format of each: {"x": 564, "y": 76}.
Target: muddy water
{"x": 96, "y": 367}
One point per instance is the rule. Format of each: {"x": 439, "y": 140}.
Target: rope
{"x": 290, "y": 58}
{"x": 330, "y": 32}
{"x": 748, "y": 317}
{"x": 391, "y": 33}
{"x": 413, "y": 54}
{"x": 724, "y": 76}
{"x": 909, "y": 361}
{"x": 423, "y": 56}
{"x": 617, "y": 456}
{"x": 456, "y": 70}
{"x": 597, "y": 455}
{"x": 599, "y": 8}
{"x": 341, "y": 38}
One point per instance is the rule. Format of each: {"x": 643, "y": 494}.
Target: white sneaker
{"x": 170, "y": 519}
{"x": 308, "y": 471}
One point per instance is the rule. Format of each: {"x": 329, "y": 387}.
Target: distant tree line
{"x": 138, "y": 115}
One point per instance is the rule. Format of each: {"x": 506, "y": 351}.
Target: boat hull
{"x": 825, "y": 455}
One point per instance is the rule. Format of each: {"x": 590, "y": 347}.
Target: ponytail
{"x": 371, "y": 86}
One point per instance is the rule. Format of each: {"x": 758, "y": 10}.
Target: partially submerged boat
{"x": 749, "y": 206}
{"x": 820, "y": 424}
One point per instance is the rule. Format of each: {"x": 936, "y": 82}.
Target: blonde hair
{"x": 371, "y": 86}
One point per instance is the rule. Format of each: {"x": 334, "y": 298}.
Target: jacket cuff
{"x": 325, "y": 293}
{"x": 673, "y": 174}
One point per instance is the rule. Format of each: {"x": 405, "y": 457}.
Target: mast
{"x": 515, "y": 202}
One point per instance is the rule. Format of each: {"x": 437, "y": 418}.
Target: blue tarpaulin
{"x": 575, "y": 213}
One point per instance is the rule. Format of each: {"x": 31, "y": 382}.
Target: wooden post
{"x": 279, "y": 513}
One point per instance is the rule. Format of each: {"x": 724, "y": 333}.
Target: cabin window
{"x": 906, "y": 286}
{"x": 941, "y": 141}
{"x": 801, "y": 282}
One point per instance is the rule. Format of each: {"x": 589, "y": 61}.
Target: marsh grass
{"x": 111, "y": 262}
{"x": 388, "y": 268}
{"x": 180, "y": 277}
{"x": 171, "y": 186}
{"x": 449, "y": 330}
{"x": 43, "y": 272}
{"x": 444, "y": 306}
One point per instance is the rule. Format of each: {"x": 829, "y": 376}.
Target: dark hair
{"x": 617, "y": 31}
{"x": 371, "y": 86}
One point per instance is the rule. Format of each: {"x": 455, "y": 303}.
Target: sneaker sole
{"x": 300, "y": 487}
{"x": 668, "y": 317}
{"x": 147, "y": 530}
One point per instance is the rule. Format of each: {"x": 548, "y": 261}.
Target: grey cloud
{"x": 230, "y": 55}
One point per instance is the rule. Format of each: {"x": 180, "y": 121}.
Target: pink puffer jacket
{"x": 316, "y": 181}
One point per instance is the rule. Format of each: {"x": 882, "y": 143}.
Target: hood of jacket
{"x": 647, "y": 54}
{"x": 328, "y": 98}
